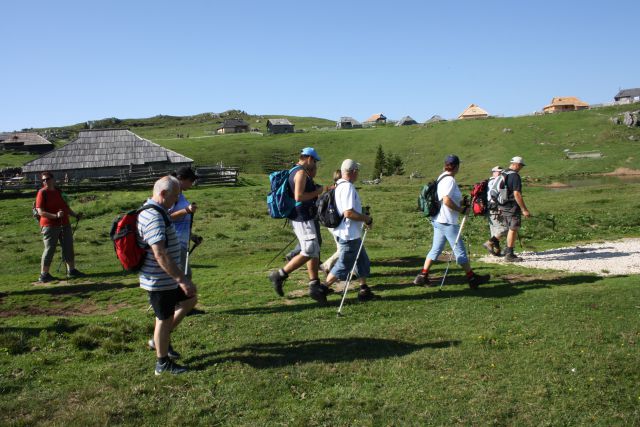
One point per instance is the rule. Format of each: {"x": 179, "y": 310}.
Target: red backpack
{"x": 479, "y": 197}
{"x": 124, "y": 233}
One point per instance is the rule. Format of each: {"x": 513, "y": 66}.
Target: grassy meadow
{"x": 533, "y": 347}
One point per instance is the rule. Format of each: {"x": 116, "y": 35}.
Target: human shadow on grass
{"x": 327, "y": 350}
{"x": 409, "y": 261}
{"x": 73, "y": 289}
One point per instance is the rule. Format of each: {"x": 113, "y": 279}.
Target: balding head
{"x": 166, "y": 191}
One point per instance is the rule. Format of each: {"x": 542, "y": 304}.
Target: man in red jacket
{"x": 54, "y": 222}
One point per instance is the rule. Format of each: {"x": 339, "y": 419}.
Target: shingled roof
{"x": 104, "y": 148}
{"x": 472, "y": 112}
{"x": 23, "y": 138}
{"x": 276, "y": 122}
{"x": 627, "y": 93}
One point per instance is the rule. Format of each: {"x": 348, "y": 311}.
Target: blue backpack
{"x": 280, "y": 201}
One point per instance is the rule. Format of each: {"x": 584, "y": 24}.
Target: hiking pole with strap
{"x": 73, "y": 232}
{"x": 355, "y": 263}
{"x": 464, "y": 218}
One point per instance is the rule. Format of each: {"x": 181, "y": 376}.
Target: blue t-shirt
{"x": 151, "y": 230}
{"x": 182, "y": 225}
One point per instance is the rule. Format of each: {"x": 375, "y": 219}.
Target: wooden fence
{"x": 207, "y": 175}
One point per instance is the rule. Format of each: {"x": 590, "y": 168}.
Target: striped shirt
{"x": 151, "y": 230}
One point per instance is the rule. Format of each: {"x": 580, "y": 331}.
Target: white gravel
{"x": 603, "y": 259}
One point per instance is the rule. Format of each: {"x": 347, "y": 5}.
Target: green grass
{"x": 533, "y": 347}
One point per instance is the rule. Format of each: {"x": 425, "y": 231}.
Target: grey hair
{"x": 166, "y": 183}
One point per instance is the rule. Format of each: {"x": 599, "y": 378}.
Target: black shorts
{"x": 512, "y": 217}
{"x": 164, "y": 302}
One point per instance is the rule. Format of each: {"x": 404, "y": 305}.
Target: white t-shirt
{"x": 448, "y": 187}
{"x": 347, "y": 198}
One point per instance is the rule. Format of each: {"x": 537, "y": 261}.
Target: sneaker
{"x": 169, "y": 366}
{"x": 74, "y": 273}
{"x": 171, "y": 352}
{"x": 421, "y": 280}
{"x": 277, "y": 280}
{"x": 511, "y": 257}
{"x": 318, "y": 292}
{"x": 365, "y": 294}
{"x": 46, "y": 278}
{"x": 478, "y": 279}
{"x": 489, "y": 246}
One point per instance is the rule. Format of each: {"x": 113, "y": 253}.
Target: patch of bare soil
{"x": 622, "y": 172}
{"x": 64, "y": 309}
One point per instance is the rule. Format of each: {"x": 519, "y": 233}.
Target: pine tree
{"x": 379, "y": 165}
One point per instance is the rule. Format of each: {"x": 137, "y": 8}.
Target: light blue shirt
{"x": 182, "y": 225}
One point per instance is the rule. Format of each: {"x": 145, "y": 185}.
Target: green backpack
{"x": 428, "y": 202}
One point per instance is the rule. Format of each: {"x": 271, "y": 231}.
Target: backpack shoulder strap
{"x": 165, "y": 217}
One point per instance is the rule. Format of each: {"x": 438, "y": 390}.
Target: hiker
{"x": 171, "y": 293}
{"x": 328, "y": 264}
{"x": 54, "y": 215}
{"x": 348, "y": 234}
{"x": 446, "y": 227}
{"x": 313, "y": 170}
{"x": 182, "y": 215}
{"x": 305, "y": 192}
{"x": 497, "y": 227}
{"x": 513, "y": 208}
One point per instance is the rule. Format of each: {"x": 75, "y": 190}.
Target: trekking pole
{"x": 73, "y": 232}
{"x": 281, "y": 251}
{"x": 355, "y": 263}
{"x": 464, "y": 218}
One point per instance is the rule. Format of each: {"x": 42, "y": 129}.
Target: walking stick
{"x": 73, "y": 232}
{"x": 464, "y": 219}
{"x": 355, "y": 263}
{"x": 281, "y": 251}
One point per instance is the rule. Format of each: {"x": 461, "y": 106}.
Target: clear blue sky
{"x": 65, "y": 62}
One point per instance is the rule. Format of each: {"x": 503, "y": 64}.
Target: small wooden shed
{"x": 348, "y": 123}
{"x": 25, "y": 141}
{"x": 627, "y": 96}
{"x": 565, "y": 103}
{"x": 106, "y": 153}
{"x": 233, "y": 126}
{"x": 276, "y": 126}
{"x": 406, "y": 121}
{"x": 377, "y": 118}
{"x": 473, "y": 112}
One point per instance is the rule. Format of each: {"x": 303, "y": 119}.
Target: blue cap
{"x": 310, "y": 151}
{"x": 452, "y": 159}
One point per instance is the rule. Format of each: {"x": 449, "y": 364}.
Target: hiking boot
{"x": 74, "y": 273}
{"x": 511, "y": 257}
{"x": 277, "y": 280}
{"x": 478, "y": 279}
{"x": 169, "y": 366}
{"x": 46, "y": 278}
{"x": 365, "y": 294}
{"x": 496, "y": 249}
{"x": 318, "y": 292}
{"x": 489, "y": 246}
{"x": 421, "y": 280}
{"x": 174, "y": 355}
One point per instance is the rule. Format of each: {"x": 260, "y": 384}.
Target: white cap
{"x": 497, "y": 169}
{"x": 518, "y": 159}
{"x": 349, "y": 165}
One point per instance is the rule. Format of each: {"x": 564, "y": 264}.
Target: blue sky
{"x": 65, "y": 62}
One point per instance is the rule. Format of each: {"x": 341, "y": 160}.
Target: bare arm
{"x": 299, "y": 181}
{"x": 182, "y": 212}
{"x": 171, "y": 268}
{"x": 448, "y": 202}
{"x": 357, "y": 216}
{"x": 520, "y": 201}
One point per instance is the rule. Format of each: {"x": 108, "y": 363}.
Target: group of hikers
{"x": 164, "y": 231}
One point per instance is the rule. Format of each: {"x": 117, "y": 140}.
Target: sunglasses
{"x": 46, "y": 179}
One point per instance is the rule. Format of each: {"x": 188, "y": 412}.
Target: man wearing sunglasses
{"x": 54, "y": 222}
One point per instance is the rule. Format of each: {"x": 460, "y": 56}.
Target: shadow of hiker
{"x": 74, "y": 289}
{"x": 327, "y": 350}
{"x": 409, "y": 261}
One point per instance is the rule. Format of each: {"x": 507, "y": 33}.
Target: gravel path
{"x": 604, "y": 259}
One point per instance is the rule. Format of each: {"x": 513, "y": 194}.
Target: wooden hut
{"x": 565, "y": 103}
{"x": 348, "y": 123}
{"x": 279, "y": 126}
{"x": 233, "y": 126}
{"x": 627, "y": 96}
{"x": 25, "y": 141}
{"x": 106, "y": 153}
{"x": 434, "y": 119}
{"x": 377, "y": 118}
{"x": 473, "y": 112}
{"x": 406, "y": 121}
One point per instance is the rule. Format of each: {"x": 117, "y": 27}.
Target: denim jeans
{"x": 348, "y": 251}
{"x": 443, "y": 233}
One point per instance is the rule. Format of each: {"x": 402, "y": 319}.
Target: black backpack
{"x": 428, "y": 202}
{"x": 327, "y": 210}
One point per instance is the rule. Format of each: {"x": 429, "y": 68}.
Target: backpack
{"x": 428, "y": 202}
{"x": 498, "y": 191}
{"x": 479, "y": 200}
{"x": 328, "y": 214}
{"x": 280, "y": 201}
{"x": 124, "y": 233}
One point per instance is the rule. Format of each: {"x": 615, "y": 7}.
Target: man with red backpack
{"x": 497, "y": 226}
{"x": 54, "y": 222}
